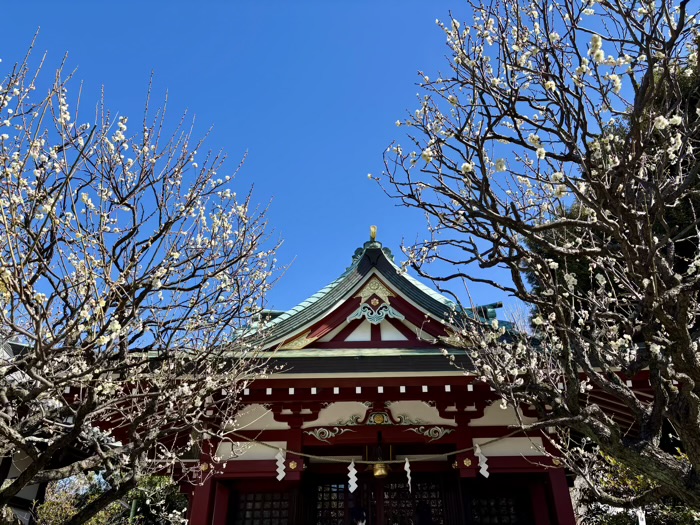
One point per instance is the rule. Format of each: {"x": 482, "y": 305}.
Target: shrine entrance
{"x": 385, "y": 501}
{"x": 439, "y": 498}
{"x": 435, "y": 499}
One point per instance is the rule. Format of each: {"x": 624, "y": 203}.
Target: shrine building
{"x": 368, "y": 416}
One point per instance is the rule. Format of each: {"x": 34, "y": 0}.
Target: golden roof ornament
{"x": 372, "y": 243}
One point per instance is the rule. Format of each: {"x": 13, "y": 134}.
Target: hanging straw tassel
{"x": 352, "y": 477}
{"x": 407, "y": 468}
{"x": 483, "y": 465}
{"x": 281, "y": 467}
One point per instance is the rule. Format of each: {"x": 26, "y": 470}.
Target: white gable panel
{"x": 257, "y": 417}
{"x": 338, "y": 414}
{"x": 418, "y": 411}
{"x": 391, "y": 333}
{"x": 232, "y": 450}
{"x": 495, "y": 416}
{"x": 361, "y": 333}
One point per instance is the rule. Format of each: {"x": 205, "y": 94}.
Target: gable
{"x": 375, "y": 315}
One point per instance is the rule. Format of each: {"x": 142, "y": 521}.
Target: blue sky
{"x": 310, "y": 89}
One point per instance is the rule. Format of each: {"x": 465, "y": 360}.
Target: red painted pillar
{"x": 540, "y": 508}
{"x": 202, "y": 503}
{"x": 294, "y": 440}
{"x": 466, "y": 462}
{"x": 563, "y": 509}
{"x": 222, "y": 495}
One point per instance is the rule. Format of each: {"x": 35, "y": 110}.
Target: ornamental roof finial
{"x": 372, "y": 233}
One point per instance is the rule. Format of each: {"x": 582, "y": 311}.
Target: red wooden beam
{"x": 417, "y": 317}
{"x": 335, "y": 319}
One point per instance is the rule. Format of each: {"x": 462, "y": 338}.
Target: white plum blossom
{"x": 586, "y": 198}
{"x": 467, "y": 167}
{"x": 534, "y": 139}
{"x": 427, "y": 154}
{"x": 125, "y": 283}
{"x": 617, "y": 83}
{"x": 661, "y": 123}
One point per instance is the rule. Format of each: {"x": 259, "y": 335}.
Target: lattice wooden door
{"x": 261, "y": 508}
{"x": 424, "y": 504}
{"x": 387, "y": 502}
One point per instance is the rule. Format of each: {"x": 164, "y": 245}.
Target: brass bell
{"x": 380, "y": 470}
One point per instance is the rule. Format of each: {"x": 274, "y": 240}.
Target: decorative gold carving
{"x": 374, "y": 287}
{"x": 292, "y": 465}
{"x": 372, "y": 233}
{"x": 467, "y": 462}
{"x": 298, "y": 343}
{"x": 352, "y": 421}
{"x": 434, "y": 433}
{"x": 379, "y": 418}
{"x": 556, "y": 462}
{"x": 326, "y": 434}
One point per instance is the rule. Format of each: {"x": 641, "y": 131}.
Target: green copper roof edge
{"x": 364, "y": 352}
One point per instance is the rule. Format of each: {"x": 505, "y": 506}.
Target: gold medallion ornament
{"x": 378, "y": 419}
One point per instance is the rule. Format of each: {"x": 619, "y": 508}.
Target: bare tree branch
{"x": 130, "y": 269}
{"x": 561, "y": 145}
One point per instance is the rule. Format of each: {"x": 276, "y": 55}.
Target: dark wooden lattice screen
{"x": 430, "y": 493}
{"x": 262, "y": 508}
{"x": 331, "y": 504}
{"x": 490, "y": 510}
{"x": 400, "y": 505}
